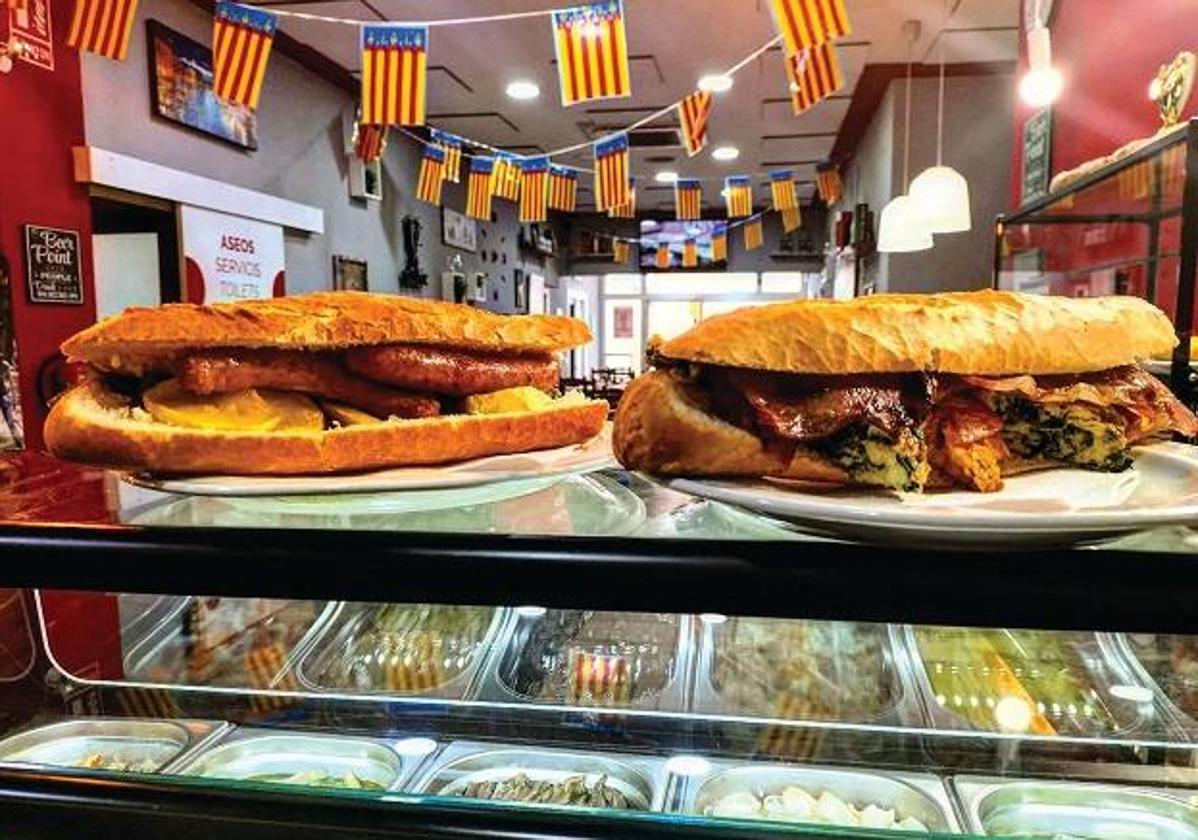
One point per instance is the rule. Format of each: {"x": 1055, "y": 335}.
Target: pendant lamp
{"x": 901, "y": 229}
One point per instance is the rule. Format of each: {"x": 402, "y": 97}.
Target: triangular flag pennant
{"x": 451, "y": 144}
{"x": 662, "y": 258}
{"x": 620, "y": 251}
{"x": 738, "y": 195}
{"x": 693, "y": 113}
{"x": 394, "y": 74}
{"x": 792, "y": 218}
{"x": 103, "y": 27}
{"x": 719, "y": 242}
{"x": 505, "y": 179}
{"x": 241, "y": 42}
{"x": 754, "y": 237}
{"x": 563, "y": 188}
{"x": 829, "y": 183}
{"x": 808, "y": 23}
{"x": 431, "y": 177}
{"x": 370, "y": 141}
{"x": 627, "y": 210}
{"x": 478, "y": 189}
{"x": 688, "y": 199}
{"x": 592, "y": 52}
{"x": 690, "y": 253}
{"x": 611, "y": 172}
{"x": 534, "y": 189}
{"x": 813, "y": 76}
{"x": 782, "y": 190}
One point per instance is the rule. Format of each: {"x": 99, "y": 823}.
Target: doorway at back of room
{"x": 136, "y": 247}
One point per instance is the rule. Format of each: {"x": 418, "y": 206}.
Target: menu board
{"x": 1037, "y": 155}
{"x": 52, "y": 264}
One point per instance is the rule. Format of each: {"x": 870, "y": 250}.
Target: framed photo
{"x": 366, "y": 179}
{"x": 349, "y": 274}
{"x": 458, "y": 230}
{"x": 181, "y": 89}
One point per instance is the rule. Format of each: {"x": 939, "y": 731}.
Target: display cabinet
{"x": 593, "y": 656}
{"x": 1129, "y": 227}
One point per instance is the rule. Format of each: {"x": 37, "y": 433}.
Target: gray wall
{"x": 301, "y": 158}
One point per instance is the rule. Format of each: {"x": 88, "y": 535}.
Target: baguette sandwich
{"x": 320, "y": 383}
{"x": 904, "y": 391}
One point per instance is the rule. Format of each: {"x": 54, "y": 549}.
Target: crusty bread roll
{"x": 981, "y": 333}
{"x": 148, "y": 339}
{"x": 93, "y": 425}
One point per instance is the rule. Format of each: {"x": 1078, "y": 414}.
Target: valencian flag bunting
{"x": 738, "y": 195}
{"x": 505, "y": 177}
{"x": 620, "y": 251}
{"x": 592, "y": 52}
{"x": 693, "y": 112}
{"x": 611, "y": 172}
{"x": 753, "y": 234}
{"x": 369, "y": 142}
{"x": 827, "y": 180}
{"x": 782, "y": 190}
{"x": 241, "y": 42}
{"x": 809, "y": 23}
{"x": 451, "y": 144}
{"x": 690, "y": 253}
{"x": 627, "y": 210}
{"x": 688, "y": 199}
{"x": 394, "y": 74}
{"x": 719, "y": 242}
{"x": 478, "y": 189}
{"x": 813, "y": 76}
{"x": 432, "y": 175}
{"x": 792, "y": 218}
{"x": 534, "y": 189}
{"x": 662, "y": 258}
{"x": 563, "y": 188}
{"x": 103, "y": 27}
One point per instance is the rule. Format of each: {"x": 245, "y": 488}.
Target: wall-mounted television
{"x": 673, "y": 234}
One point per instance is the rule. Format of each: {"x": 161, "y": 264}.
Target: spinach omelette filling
{"x": 1073, "y": 433}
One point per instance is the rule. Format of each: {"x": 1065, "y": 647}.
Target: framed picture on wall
{"x": 458, "y": 230}
{"x": 181, "y": 89}
{"x": 366, "y": 179}
{"x": 349, "y": 274}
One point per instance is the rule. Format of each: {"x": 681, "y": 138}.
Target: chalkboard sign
{"x": 52, "y": 263}
{"x": 1037, "y": 155}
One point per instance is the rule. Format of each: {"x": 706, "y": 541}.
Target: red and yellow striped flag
{"x": 103, "y": 27}
{"x": 451, "y": 144}
{"x": 628, "y": 209}
{"x": 693, "y": 112}
{"x": 719, "y": 243}
{"x": 432, "y": 175}
{"x": 738, "y": 195}
{"x": 690, "y": 253}
{"x": 592, "y": 52}
{"x": 688, "y": 199}
{"x": 808, "y": 23}
{"x": 662, "y": 258}
{"x": 534, "y": 189}
{"x": 563, "y": 188}
{"x": 829, "y": 183}
{"x": 369, "y": 142}
{"x": 620, "y": 251}
{"x": 791, "y": 219}
{"x": 478, "y": 189}
{"x": 612, "y": 187}
{"x": 754, "y": 237}
{"x": 782, "y": 190}
{"x": 394, "y": 74}
{"x": 505, "y": 177}
{"x": 813, "y": 76}
{"x": 241, "y": 42}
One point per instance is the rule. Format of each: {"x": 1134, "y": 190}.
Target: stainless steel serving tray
{"x": 902, "y": 709}
{"x": 1045, "y": 808}
{"x": 1139, "y": 716}
{"x": 68, "y": 743}
{"x": 641, "y": 778}
{"x": 1121, "y": 645}
{"x": 514, "y": 635}
{"x": 245, "y": 753}
{"x": 343, "y": 627}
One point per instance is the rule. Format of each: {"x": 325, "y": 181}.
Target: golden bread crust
{"x": 984, "y": 333}
{"x": 95, "y": 426}
{"x": 143, "y": 339}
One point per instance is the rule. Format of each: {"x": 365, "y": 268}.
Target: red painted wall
{"x": 41, "y": 118}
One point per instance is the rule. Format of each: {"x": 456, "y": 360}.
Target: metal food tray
{"x": 342, "y": 628}
{"x": 513, "y": 636}
{"x": 142, "y": 654}
{"x": 942, "y": 718}
{"x": 1121, "y": 648}
{"x": 903, "y": 709}
{"x": 919, "y": 795}
{"x": 1048, "y": 808}
{"x": 641, "y": 778}
{"x": 246, "y": 752}
{"x": 67, "y": 743}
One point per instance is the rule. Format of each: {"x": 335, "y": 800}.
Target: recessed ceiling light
{"x": 523, "y": 89}
{"x": 715, "y": 82}
{"x": 725, "y": 153}
{"x": 665, "y": 176}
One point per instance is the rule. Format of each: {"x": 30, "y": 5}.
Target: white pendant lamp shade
{"x": 902, "y": 229}
{"x": 941, "y": 197}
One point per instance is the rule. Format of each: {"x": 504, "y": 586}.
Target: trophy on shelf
{"x": 1171, "y": 88}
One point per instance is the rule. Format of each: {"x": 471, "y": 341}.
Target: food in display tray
{"x": 114, "y": 744}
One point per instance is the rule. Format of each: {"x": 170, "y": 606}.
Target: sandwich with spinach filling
{"x": 905, "y": 392}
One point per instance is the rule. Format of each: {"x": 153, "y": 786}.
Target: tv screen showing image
{"x": 673, "y": 234}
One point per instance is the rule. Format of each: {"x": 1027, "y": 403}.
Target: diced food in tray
{"x": 317, "y": 778}
{"x": 303, "y": 760}
{"x": 108, "y": 744}
{"x": 797, "y": 805}
{"x": 575, "y": 790}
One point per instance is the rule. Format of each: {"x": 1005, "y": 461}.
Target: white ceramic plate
{"x": 567, "y": 460}
{"x": 1058, "y": 506}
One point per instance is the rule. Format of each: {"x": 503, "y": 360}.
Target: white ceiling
{"x": 672, "y": 43}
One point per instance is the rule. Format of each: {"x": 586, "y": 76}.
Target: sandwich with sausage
{"x": 904, "y": 392}
{"x": 320, "y": 383}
